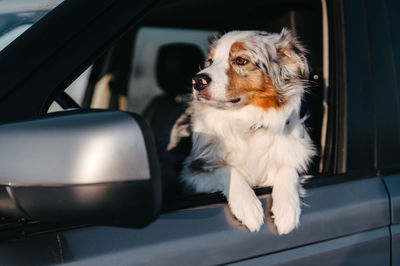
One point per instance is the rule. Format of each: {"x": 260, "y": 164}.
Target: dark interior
{"x": 176, "y": 64}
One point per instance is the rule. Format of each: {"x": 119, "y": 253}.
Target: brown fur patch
{"x": 212, "y": 53}
{"x": 290, "y": 58}
{"x": 210, "y": 57}
{"x": 249, "y": 82}
{"x": 237, "y": 48}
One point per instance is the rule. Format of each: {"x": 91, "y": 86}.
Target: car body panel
{"x": 344, "y": 251}
{"x": 395, "y": 231}
{"x": 393, "y": 185}
{"x": 209, "y": 236}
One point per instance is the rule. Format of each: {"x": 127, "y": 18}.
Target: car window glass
{"x": 143, "y": 83}
{"x": 16, "y": 16}
{"x": 75, "y": 90}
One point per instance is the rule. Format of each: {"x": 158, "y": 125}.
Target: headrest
{"x": 177, "y": 63}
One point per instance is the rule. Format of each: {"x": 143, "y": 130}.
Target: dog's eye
{"x": 209, "y": 62}
{"x": 241, "y": 61}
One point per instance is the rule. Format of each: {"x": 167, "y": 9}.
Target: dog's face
{"x": 252, "y": 67}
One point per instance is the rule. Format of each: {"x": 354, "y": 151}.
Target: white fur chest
{"x": 247, "y": 140}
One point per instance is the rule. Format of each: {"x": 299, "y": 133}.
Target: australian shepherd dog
{"x": 246, "y": 128}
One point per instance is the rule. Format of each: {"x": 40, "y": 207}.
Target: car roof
{"x": 221, "y": 14}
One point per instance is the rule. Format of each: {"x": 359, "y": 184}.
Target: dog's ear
{"x": 292, "y": 55}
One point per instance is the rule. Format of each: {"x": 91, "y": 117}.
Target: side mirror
{"x": 97, "y": 167}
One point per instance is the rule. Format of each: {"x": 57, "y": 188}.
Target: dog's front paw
{"x": 248, "y": 209}
{"x": 286, "y": 215}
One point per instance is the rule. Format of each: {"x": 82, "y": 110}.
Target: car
{"x": 90, "y": 182}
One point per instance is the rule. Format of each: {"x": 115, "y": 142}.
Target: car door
{"x": 383, "y": 18}
{"x": 346, "y": 214}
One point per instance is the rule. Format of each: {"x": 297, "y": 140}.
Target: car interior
{"x": 158, "y": 86}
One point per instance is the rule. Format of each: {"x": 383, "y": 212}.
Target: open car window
{"x": 137, "y": 75}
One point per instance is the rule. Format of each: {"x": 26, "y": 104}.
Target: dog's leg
{"x": 285, "y": 200}
{"x": 243, "y": 202}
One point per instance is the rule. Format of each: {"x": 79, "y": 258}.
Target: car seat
{"x": 176, "y": 64}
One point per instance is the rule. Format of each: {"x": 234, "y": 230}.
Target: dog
{"x": 246, "y": 128}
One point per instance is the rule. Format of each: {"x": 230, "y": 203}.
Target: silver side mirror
{"x": 97, "y": 167}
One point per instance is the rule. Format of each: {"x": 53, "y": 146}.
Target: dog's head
{"x": 252, "y": 67}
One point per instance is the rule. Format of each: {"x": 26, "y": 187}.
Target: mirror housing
{"x": 96, "y": 167}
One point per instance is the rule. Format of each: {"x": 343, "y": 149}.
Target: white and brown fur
{"x": 246, "y": 127}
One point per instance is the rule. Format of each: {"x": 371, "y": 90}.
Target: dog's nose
{"x": 200, "y": 81}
